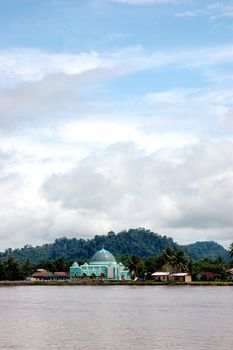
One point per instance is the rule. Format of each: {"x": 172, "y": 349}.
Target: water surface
{"x": 116, "y": 317}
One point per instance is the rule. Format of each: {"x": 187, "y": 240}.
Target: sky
{"x": 116, "y": 114}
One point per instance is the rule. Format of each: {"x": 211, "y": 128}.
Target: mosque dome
{"x": 102, "y": 256}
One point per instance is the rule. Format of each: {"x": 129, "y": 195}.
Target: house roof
{"x": 160, "y": 273}
{"x": 180, "y": 274}
{"x": 210, "y": 274}
{"x": 43, "y": 273}
{"x": 62, "y": 274}
{"x": 230, "y": 271}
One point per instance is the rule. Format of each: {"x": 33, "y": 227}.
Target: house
{"x": 181, "y": 277}
{"x": 208, "y": 276}
{"x": 160, "y": 276}
{"x": 61, "y": 275}
{"x": 230, "y": 273}
{"x": 44, "y": 275}
{"x": 41, "y": 274}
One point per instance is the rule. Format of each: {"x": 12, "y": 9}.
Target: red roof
{"x": 39, "y": 274}
{"x": 209, "y": 274}
{"x": 62, "y": 274}
{"x": 44, "y": 273}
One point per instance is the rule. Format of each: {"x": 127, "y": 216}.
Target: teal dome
{"x": 102, "y": 256}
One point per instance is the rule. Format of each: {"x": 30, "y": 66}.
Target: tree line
{"x": 10, "y": 270}
{"x": 140, "y": 242}
{"x": 178, "y": 261}
{"x": 169, "y": 259}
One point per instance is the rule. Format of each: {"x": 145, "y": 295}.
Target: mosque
{"x": 102, "y": 265}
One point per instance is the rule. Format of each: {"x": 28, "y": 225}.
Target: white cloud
{"x": 186, "y": 189}
{"x": 23, "y": 65}
{"x": 53, "y": 96}
{"x": 30, "y": 65}
{"x": 215, "y": 10}
{"x": 212, "y": 101}
{"x": 103, "y": 133}
{"x": 184, "y": 192}
{"x": 66, "y": 88}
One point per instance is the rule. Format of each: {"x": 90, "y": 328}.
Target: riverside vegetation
{"x": 142, "y": 251}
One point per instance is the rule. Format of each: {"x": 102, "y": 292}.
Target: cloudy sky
{"x": 116, "y": 114}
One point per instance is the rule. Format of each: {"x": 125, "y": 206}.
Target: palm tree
{"x": 135, "y": 265}
{"x": 181, "y": 261}
{"x": 167, "y": 259}
{"x": 230, "y": 250}
{"x": 174, "y": 260}
{"x": 168, "y": 255}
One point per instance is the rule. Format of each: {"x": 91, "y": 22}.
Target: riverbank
{"x": 110, "y": 283}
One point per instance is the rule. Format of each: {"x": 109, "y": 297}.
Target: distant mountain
{"x": 140, "y": 242}
{"x": 209, "y": 249}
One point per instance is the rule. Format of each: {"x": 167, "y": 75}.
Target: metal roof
{"x": 160, "y": 273}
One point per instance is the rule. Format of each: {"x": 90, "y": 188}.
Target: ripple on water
{"x": 117, "y": 317}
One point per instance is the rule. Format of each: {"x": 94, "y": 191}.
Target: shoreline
{"x": 111, "y": 283}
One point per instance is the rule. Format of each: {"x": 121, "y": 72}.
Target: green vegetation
{"x": 177, "y": 261}
{"x": 111, "y": 283}
{"x": 10, "y": 270}
{"x": 202, "y": 250}
{"x": 230, "y": 251}
{"x": 142, "y": 251}
{"x": 139, "y": 242}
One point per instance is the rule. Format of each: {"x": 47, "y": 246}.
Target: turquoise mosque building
{"x": 102, "y": 265}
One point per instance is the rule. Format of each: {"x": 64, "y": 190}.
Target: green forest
{"x": 141, "y": 250}
{"x": 140, "y": 242}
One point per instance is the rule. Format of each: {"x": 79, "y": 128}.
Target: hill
{"x": 210, "y": 249}
{"x": 140, "y": 242}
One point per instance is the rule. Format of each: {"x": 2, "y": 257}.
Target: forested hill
{"x": 140, "y": 242}
{"x": 210, "y": 249}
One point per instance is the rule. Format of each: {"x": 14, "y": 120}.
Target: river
{"x": 116, "y": 317}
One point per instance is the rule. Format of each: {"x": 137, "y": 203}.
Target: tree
{"x": 180, "y": 261}
{"x": 174, "y": 260}
{"x": 61, "y": 265}
{"x": 167, "y": 259}
{"x": 2, "y": 272}
{"x": 28, "y": 268}
{"x": 230, "y": 250}
{"x": 136, "y": 266}
{"x": 13, "y": 271}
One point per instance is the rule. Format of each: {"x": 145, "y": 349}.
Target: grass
{"x": 112, "y": 283}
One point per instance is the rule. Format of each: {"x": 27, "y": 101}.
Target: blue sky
{"x": 116, "y": 114}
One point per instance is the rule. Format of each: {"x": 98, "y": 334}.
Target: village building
{"x": 230, "y": 274}
{"x": 44, "y": 275}
{"x": 161, "y": 276}
{"x": 209, "y": 276}
{"x": 102, "y": 265}
{"x": 181, "y": 277}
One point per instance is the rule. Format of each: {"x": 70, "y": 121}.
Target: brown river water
{"x": 116, "y": 317}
